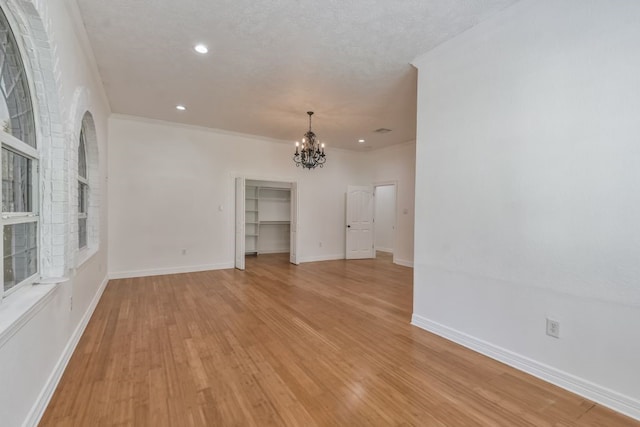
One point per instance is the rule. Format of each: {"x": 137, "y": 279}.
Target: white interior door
{"x": 240, "y": 241}
{"x": 359, "y": 236}
{"x": 293, "y": 245}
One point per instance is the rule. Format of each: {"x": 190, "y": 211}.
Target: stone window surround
{"x": 57, "y": 145}
{"x": 83, "y": 117}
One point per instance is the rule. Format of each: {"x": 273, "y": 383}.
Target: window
{"x": 87, "y": 186}
{"x": 19, "y": 159}
{"x": 83, "y": 191}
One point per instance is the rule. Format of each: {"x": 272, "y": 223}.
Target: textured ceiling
{"x": 270, "y": 61}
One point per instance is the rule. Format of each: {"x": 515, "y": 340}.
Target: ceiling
{"x": 270, "y": 61}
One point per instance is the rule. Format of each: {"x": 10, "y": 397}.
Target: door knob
{"x": 348, "y": 226}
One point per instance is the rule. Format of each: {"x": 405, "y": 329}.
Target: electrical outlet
{"x": 553, "y": 328}
{"x": 319, "y": 244}
{"x": 70, "y": 303}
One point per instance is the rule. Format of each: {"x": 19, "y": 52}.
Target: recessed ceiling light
{"x": 200, "y": 48}
{"x": 361, "y": 141}
{"x": 181, "y": 107}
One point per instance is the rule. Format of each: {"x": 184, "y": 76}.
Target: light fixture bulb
{"x": 200, "y": 48}
{"x": 181, "y": 107}
{"x": 297, "y": 144}
{"x": 361, "y": 141}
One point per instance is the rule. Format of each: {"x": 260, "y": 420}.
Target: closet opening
{"x": 266, "y": 217}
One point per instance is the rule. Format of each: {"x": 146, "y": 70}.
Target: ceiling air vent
{"x": 382, "y": 130}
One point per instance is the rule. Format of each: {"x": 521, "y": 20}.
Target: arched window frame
{"x": 85, "y": 190}
{"x": 13, "y": 150}
{"x": 28, "y": 20}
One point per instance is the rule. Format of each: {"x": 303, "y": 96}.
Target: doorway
{"x": 266, "y": 219}
{"x": 385, "y": 218}
{"x": 370, "y": 220}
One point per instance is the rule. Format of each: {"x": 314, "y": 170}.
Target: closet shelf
{"x": 260, "y": 187}
{"x": 267, "y": 219}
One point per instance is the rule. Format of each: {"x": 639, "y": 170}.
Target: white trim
{"x": 14, "y": 218}
{"x": 139, "y": 119}
{"x": 322, "y": 258}
{"x": 18, "y": 146}
{"x": 274, "y": 179}
{"x": 24, "y": 284}
{"x": 386, "y": 183}
{"x": 170, "y": 270}
{"x": 403, "y": 262}
{"x": 387, "y": 250}
{"x": 604, "y": 396}
{"x": 37, "y": 410}
{"x": 291, "y": 143}
{"x": 24, "y": 303}
{"x": 274, "y": 251}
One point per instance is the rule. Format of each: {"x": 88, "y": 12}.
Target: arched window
{"x": 19, "y": 159}
{"x": 86, "y": 171}
{"x": 83, "y": 190}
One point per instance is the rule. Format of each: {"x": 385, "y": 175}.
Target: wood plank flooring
{"x": 324, "y": 344}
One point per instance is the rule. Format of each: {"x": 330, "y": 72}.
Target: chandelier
{"x": 310, "y": 153}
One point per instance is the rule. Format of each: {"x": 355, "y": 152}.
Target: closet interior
{"x": 267, "y": 217}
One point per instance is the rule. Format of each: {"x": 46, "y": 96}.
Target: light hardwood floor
{"x": 325, "y": 343}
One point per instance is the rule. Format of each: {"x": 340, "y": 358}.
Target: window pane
{"x": 16, "y": 182}
{"x": 82, "y": 232}
{"x": 16, "y": 112}
{"x": 83, "y": 197}
{"x": 82, "y": 157}
{"x": 20, "y": 253}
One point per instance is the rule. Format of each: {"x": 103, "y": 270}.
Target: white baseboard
{"x": 388, "y": 250}
{"x": 274, "y": 251}
{"x": 321, "y": 258}
{"x": 170, "y": 270}
{"x": 37, "y": 411}
{"x": 403, "y": 262}
{"x": 602, "y": 395}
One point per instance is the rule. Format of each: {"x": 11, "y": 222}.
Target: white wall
{"x": 528, "y": 193}
{"x": 385, "y": 209}
{"x": 397, "y": 164}
{"x": 167, "y": 183}
{"x": 32, "y": 359}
